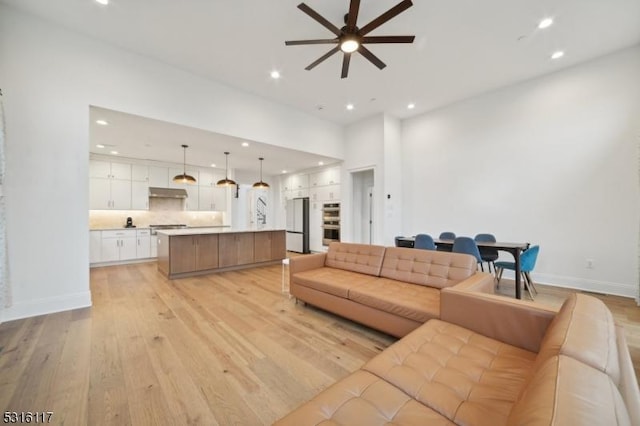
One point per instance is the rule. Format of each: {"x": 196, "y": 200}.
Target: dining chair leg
{"x": 531, "y": 283}
{"x": 498, "y": 277}
{"x": 527, "y": 286}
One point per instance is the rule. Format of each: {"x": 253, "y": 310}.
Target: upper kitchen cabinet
{"x": 325, "y": 177}
{"x": 298, "y": 182}
{"x": 159, "y": 177}
{"x": 109, "y": 185}
{"x": 209, "y": 178}
{"x": 109, "y": 170}
{"x": 212, "y": 198}
{"x": 139, "y": 173}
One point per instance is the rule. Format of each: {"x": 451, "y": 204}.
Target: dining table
{"x": 515, "y": 249}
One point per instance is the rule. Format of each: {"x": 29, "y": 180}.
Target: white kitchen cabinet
{"x": 154, "y": 246}
{"x": 298, "y": 193}
{"x": 109, "y": 194}
{"x": 143, "y": 244}
{"x": 159, "y": 177}
{"x": 99, "y": 169}
{"x": 139, "y": 173}
{"x": 118, "y": 245}
{"x": 315, "y": 226}
{"x": 327, "y": 193}
{"x": 192, "y": 197}
{"x": 285, "y": 183}
{"x": 139, "y": 195}
{"x": 300, "y": 181}
{"x": 209, "y": 178}
{"x": 330, "y": 176}
{"x": 95, "y": 246}
{"x": 109, "y": 185}
{"x": 212, "y": 198}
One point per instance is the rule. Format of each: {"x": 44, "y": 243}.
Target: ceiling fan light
{"x": 349, "y": 45}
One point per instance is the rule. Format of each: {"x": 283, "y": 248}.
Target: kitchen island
{"x": 197, "y": 251}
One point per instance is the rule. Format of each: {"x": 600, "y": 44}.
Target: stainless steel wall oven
{"x": 330, "y": 223}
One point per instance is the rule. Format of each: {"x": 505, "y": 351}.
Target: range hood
{"x": 167, "y": 192}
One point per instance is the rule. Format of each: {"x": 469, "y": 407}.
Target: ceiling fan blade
{"x": 345, "y": 65}
{"x": 315, "y": 15}
{"x": 301, "y": 42}
{"x": 371, "y": 57}
{"x": 322, "y": 58}
{"x": 389, "y": 14}
{"x": 352, "y": 16}
{"x": 388, "y": 39}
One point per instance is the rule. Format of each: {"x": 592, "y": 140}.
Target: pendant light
{"x": 226, "y": 181}
{"x": 261, "y": 184}
{"x": 184, "y": 177}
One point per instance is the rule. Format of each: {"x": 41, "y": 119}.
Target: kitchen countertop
{"x": 213, "y": 230}
{"x": 147, "y": 227}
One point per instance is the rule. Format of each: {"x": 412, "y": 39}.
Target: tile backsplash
{"x": 161, "y": 211}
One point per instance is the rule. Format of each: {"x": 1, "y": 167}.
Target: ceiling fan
{"x": 350, "y": 38}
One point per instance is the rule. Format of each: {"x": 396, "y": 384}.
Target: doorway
{"x": 363, "y": 202}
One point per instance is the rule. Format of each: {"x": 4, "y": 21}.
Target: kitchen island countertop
{"x": 213, "y": 230}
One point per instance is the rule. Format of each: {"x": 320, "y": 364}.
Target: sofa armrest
{"x": 628, "y": 386}
{"x": 306, "y": 263}
{"x": 516, "y": 322}
{"x": 480, "y": 282}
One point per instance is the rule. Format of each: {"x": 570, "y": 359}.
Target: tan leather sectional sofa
{"x": 491, "y": 360}
{"x": 392, "y": 289}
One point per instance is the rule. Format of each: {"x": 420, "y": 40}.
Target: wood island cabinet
{"x": 188, "y": 253}
{"x": 236, "y": 249}
{"x": 192, "y": 253}
{"x": 269, "y": 245}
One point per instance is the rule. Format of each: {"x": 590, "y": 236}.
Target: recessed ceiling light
{"x": 114, "y": 152}
{"x": 350, "y": 107}
{"x": 320, "y": 163}
{"x": 545, "y": 23}
{"x": 411, "y": 106}
{"x": 104, "y": 2}
{"x": 102, "y": 122}
{"x": 99, "y": 145}
{"x": 213, "y": 165}
{"x": 275, "y": 74}
{"x": 245, "y": 144}
{"x": 557, "y": 55}
{"x": 284, "y": 171}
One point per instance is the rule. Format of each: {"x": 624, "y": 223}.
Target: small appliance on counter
{"x": 129, "y": 223}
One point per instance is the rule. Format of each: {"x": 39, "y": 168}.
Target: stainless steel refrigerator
{"x": 298, "y": 225}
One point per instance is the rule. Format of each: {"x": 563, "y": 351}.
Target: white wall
{"x": 49, "y": 78}
{"x": 364, "y": 149}
{"x": 552, "y": 161}
{"x": 393, "y": 190}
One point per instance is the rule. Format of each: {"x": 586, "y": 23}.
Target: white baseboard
{"x": 45, "y": 306}
{"x": 575, "y": 283}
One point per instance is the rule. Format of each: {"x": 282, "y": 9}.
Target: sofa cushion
{"x": 466, "y": 377}
{"x": 331, "y": 280}
{"x": 565, "y": 391}
{"x": 427, "y": 267}
{"x": 411, "y": 301}
{"x": 583, "y": 329}
{"x": 362, "y": 399}
{"x": 362, "y": 258}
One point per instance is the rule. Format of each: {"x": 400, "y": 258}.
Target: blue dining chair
{"x": 527, "y": 263}
{"x": 446, "y": 236}
{"x": 489, "y": 255}
{"x": 468, "y": 246}
{"x": 424, "y": 242}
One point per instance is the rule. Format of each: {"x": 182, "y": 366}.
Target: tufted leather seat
{"x": 393, "y": 289}
{"x": 443, "y": 373}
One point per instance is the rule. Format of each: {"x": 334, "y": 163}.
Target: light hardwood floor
{"x": 221, "y": 349}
